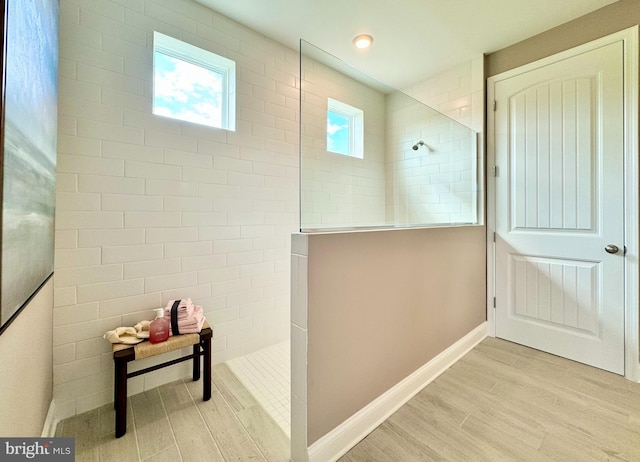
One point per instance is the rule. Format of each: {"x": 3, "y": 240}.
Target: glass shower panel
{"x": 401, "y": 163}
{"x": 432, "y": 166}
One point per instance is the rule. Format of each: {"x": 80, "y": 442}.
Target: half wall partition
{"x": 373, "y": 157}
{"x": 376, "y": 315}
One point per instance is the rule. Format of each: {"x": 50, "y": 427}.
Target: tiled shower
{"x": 266, "y": 373}
{"x": 150, "y": 209}
{"x": 392, "y": 185}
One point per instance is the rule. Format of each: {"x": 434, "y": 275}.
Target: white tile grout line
{"x": 267, "y": 375}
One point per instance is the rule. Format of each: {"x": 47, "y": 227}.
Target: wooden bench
{"x": 124, "y": 354}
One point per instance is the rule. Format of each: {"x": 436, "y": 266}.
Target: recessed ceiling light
{"x": 363, "y": 41}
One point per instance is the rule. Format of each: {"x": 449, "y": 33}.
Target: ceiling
{"x": 413, "y": 39}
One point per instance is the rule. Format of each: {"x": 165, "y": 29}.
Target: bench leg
{"x": 120, "y": 395}
{"x": 206, "y": 386}
{"x": 115, "y": 389}
{"x": 196, "y": 362}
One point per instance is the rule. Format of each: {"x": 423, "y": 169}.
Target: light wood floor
{"x": 505, "y": 402}
{"x": 172, "y": 423}
{"x": 501, "y": 402}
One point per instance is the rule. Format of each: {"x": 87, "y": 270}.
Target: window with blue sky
{"x": 192, "y": 84}
{"x": 337, "y": 133}
{"x": 345, "y": 129}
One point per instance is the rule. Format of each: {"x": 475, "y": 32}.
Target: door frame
{"x": 629, "y": 37}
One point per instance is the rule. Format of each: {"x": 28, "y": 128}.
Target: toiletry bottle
{"x": 159, "y": 327}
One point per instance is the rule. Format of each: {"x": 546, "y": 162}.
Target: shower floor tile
{"x": 266, "y": 374}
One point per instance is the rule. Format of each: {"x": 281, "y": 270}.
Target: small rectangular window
{"x": 192, "y": 84}
{"x": 345, "y": 129}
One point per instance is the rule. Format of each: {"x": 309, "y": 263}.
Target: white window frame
{"x": 356, "y": 126}
{"x": 197, "y": 56}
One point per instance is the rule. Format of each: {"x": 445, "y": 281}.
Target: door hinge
{"x": 495, "y": 171}
{"x": 494, "y": 236}
{"x": 495, "y": 105}
{"x": 494, "y": 302}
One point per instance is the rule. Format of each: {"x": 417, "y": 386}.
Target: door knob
{"x": 611, "y": 248}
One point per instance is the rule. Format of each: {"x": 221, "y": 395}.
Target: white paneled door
{"x": 559, "y": 151}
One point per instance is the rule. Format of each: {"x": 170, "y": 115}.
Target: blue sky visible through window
{"x": 185, "y": 91}
{"x": 337, "y": 133}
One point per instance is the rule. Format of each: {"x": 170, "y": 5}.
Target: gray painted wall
{"x": 381, "y": 305}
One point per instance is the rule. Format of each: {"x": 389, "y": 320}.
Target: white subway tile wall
{"x": 457, "y": 92}
{"x": 434, "y": 184}
{"x": 441, "y": 185}
{"x": 337, "y": 190}
{"x": 149, "y": 208}
{"x": 393, "y": 184}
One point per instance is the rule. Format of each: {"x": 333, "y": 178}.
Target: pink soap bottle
{"x": 159, "y": 327}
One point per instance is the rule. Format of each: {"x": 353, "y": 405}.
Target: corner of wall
{"x": 299, "y": 291}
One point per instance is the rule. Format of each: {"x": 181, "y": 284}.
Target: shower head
{"x": 418, "y": 144}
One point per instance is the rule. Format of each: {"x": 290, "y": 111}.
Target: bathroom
{"x": 150, "y": 209}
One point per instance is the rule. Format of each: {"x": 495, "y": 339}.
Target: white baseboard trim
{"x": 338, "y": 441}
{"x": 50, "y": 423}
